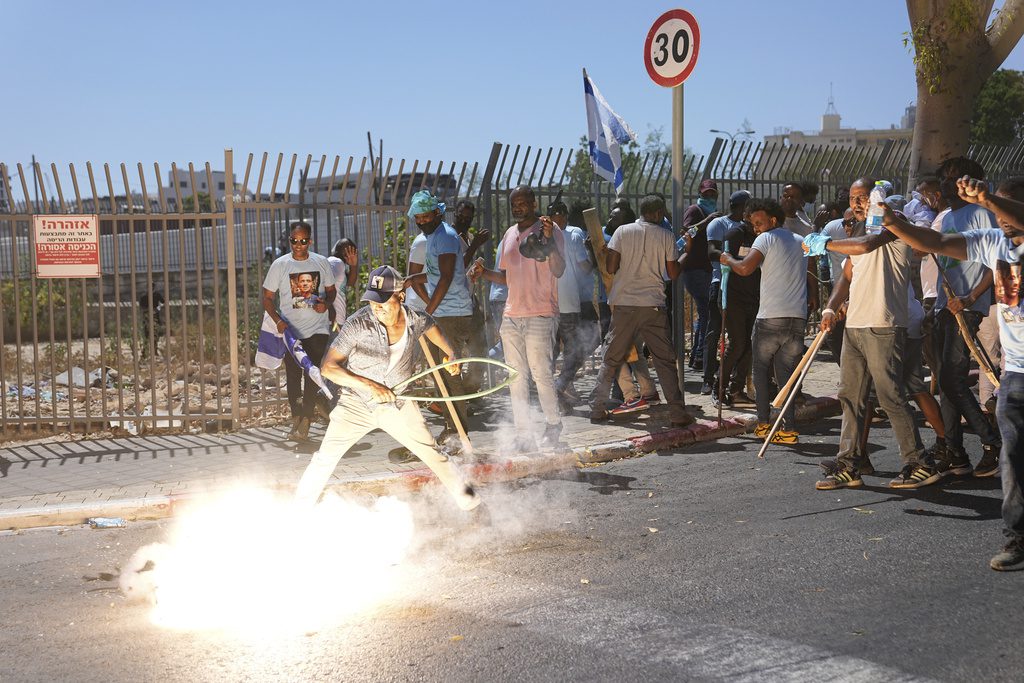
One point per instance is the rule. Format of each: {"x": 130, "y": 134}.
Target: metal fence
{"x": 85, "y": 354}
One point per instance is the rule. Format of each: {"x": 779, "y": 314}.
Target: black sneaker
{"x": 915, "y": 476}
{"x": 1011, "y": 558}
{"x": 951, "y": 461}
{"x": 706, "y": 389}
{"x": 724, "y": 401}
{"x": 988, "y": 466}
{"x": 838, "y": 477}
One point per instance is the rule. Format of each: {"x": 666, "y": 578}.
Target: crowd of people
{"x": 754, "y": 271}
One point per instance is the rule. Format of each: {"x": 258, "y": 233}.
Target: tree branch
{"x": 987, "y": 9}
{"x": 1005, "y": 32}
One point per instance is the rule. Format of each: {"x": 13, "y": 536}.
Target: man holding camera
{"x": 531, "y": 260}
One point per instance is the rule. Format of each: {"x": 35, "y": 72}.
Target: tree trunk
{"x": 943, "y": 124}
{"x": 955, "y": 54}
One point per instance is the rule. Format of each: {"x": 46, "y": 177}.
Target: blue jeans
{"x": 698, "y": 284}
{"x": 778, "y": 343}
{"x": 528, "y": 344}
{"x": 1010, "y": 418}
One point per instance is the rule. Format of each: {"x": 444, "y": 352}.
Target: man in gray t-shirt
{"x": 638, "y": 256}
{"x": 878, "y": 273}
{"x": 778, "y": 340}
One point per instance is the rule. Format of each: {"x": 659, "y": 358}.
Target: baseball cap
{"x": 381, "y": 284}
{"x": 739, "y": 197}
{"x": 706, "y": 185}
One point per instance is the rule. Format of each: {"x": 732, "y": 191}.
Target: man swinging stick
{"x": 376, "y": 349}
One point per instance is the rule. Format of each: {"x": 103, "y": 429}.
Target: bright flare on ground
{"x": 250, "y": 562}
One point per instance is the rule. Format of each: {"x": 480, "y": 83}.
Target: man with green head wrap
{"x": 446, "y": 292}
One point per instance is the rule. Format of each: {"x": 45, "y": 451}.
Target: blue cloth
{"x": 725, "y": 278}
{"x": 783, "y": 275}
{"x": 991, "y": 248}
{"x": 716, "y": 233}
{"x": 457, "y": 300}
{"x": 815, "y": 243}
{"x": 963, "y": 277}
{"x": 605, "y": 132}
{"x": 424, "y": 202}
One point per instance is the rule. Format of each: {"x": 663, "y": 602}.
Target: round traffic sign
{"x": 670, "y": 51}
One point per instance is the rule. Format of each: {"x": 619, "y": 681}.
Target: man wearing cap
{"x": 696, "y": 266}
{"x": 303, "y": 282}
{"x": 531, "y": 260}
{"x": 375, "y": 350}
{"x": 446, "y": 292}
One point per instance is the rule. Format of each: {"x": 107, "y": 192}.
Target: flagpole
{"x": 678, "y": 208}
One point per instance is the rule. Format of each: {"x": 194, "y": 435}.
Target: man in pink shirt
{"x": 531, "y": 262}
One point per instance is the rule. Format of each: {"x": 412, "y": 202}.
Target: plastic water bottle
{"x": 875, "y": 212}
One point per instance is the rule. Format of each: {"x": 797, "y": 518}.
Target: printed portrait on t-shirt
{"x": 305, "y": 289}
{"x": 1007, "y": 284}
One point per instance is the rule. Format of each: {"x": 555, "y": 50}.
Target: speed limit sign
{"x": 670, "y": 51}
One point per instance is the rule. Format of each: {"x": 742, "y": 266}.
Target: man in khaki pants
{"x": 375, "y": 350}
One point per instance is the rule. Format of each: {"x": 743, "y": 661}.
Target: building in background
{"x": 833, "y": 133}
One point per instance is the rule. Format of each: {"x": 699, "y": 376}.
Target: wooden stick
{"x": 467, "y": 447}
{"x": 979, "y": 354}
{"x": 806, "y": 360}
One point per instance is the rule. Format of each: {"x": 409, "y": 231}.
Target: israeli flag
{"x": 605, "y": 132}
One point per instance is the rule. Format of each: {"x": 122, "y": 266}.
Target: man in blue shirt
{"x": 446, "y": 293}
{"x": 1002, "y": 250}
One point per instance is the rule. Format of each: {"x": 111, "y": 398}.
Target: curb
{"x": 517, "y": 467}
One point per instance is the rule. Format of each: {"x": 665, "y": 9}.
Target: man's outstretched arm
{"x": 952, "y": 245}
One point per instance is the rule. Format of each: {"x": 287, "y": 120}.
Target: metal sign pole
{"x": 678, "y": 208}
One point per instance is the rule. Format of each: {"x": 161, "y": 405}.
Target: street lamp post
{"x": 732, "y": 136}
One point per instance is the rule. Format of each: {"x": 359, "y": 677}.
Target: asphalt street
{"x": 701, "y": 564}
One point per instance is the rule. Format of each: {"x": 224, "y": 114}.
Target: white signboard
{"x": 67, "y": 245}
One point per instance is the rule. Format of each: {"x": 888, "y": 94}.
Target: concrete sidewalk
{"x": 67, "y": 479}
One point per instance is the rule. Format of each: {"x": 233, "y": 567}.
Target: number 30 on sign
{"x": 670, "y": 51}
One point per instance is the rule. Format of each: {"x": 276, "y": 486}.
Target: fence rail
{"x": 189, "y": 361}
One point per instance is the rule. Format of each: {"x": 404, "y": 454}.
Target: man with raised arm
{"x": 1001, "y": 250}
{"x": 376, "y": 350}
{"x": 878, "y": 273}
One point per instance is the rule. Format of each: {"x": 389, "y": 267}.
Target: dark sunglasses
{"x": 302, "y": 240}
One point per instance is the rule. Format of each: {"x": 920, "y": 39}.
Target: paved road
{"x": 751, "y": 575}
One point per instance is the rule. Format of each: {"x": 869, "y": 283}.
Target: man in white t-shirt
{"x": 778, "y": 340}
{"x": 344, "y": 260}
{"x": 302, "y": 282}
{"x": 1002, "y": 250}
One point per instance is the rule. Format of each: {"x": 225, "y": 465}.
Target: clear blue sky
{"x": 117, "y": 81}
